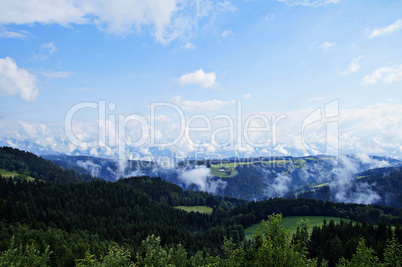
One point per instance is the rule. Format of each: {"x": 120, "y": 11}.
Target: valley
{"x": 79, "y": 217}
{"x": 348, "y": 178}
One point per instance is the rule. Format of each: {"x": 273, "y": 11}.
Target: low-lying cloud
{"x": 202, "y": 178}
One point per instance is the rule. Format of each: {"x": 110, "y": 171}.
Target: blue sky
{"x": 287, "y": 57}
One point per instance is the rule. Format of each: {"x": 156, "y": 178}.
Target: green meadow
{"x": 200, "y": 209}
{"x": 290, "y": 223}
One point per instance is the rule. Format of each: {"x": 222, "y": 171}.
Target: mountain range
{"x": 350, "y": 178}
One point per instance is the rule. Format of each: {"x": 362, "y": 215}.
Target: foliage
{"x": 116, "y": 257}
{"x": 363, "y": 257}
{"x": 28, "y": 164}
{"x": 22, "y": 256}
{"x": 132, "y": 221}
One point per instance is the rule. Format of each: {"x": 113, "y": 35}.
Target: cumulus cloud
{"x": 199, "y": 77}
{"x": 326, "y": 45}
{"x": 15, "y": 80}
{"x": 353, "y": 66}
{"x": 385, "y": 75}
{"x": 394, "y": 27}
{"x": 167, "y": 19}
{"x": 313, "y": 3}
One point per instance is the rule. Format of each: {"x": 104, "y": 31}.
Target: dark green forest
{"x": 63, "y": 218}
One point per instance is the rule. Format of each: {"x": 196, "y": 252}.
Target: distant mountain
{"x": 380, "y": 186}
{"x": 252, "y": 178}
{"x": 255, "y": 178}
{"x": 108, "y": 169}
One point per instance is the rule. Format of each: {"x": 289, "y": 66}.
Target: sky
{"x": 135, "y": 79}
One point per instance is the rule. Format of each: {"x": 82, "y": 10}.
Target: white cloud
{"x": 369, "y": 130}
{"x": 34, "y": 130}
{"x": 166, "y": 19}
{"x": 353, "y": 66}
{"x": 386, "y": 75}
{"x": 202, "y": 178}
{"x": 372, "y": 129}
{"x": 49, "y": 46}
{"x": 189, "y": 46}
{"x": 199, "y": 105}
{"x": 47, "y": 49}
{"x": 326, "y": 45}
{"x": 46, "y": 12}
{"x": 246, "y": 96}
{"x": 226, "y": 6}
{"x": 226, "y": 34}
{"x": 198, "y": 77}
{"x": 313, "y": 3}
{"x": 394, "y": 27}
{"x": 14, "y": 80}
{"x": 4, "y": 33}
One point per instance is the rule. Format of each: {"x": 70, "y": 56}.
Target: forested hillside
{"x": 67, "y": 220}
{"x": 349, "y": 178}
{"x": 28, "y": 164}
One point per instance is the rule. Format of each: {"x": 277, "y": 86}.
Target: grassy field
{"x": 327, "y": 184}
{"x": 228, "y": 170}
{"x": 290, "y": 223}
{"x": 200, "y": 209}
{"x": 362, "y": 176}
{"x": 7, "y": 174}
{"x": 321, "y": 185}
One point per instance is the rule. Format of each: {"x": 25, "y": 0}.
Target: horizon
{"x": 202, "y": 79}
